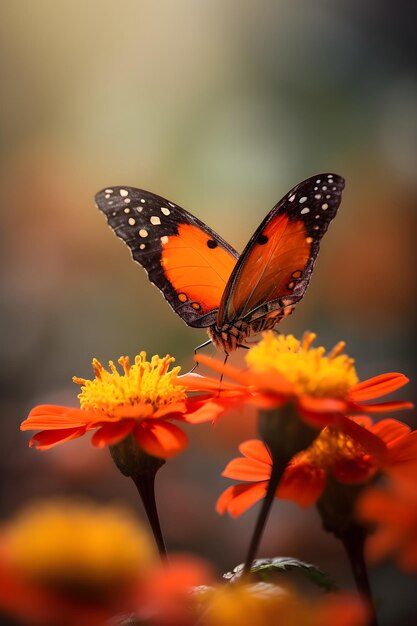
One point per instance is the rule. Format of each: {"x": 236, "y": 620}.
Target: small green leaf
{"x": 263, "y": 567}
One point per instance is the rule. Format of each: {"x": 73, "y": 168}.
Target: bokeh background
{"x": 221, "y": 106}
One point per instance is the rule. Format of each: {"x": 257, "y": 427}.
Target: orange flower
{"x": 140, "y": 402}
{"x": 322, "y": 387}
{"x": 332, "y": 453}
{"x": 265, "y": 604}
{"x": 72, "y": 563}
{"x": 394, "y": 511}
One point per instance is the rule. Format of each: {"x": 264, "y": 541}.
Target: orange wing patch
{"x": 272, "y": 268}
{"x": 197, "y": 267}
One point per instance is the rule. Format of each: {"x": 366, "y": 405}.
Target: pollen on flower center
{"x": 332, "y": 446}
{"x": 143, "y": 382}
{"x": 309, "y": 369}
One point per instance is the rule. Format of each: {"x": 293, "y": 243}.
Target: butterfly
{"x": 206, "y": 282}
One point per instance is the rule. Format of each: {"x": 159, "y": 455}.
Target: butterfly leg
{"x": 226, "y": 356}
{"x": 202, "y": 345}
{"x": 241, "y": 345}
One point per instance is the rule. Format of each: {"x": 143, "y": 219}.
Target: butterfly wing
{"x": 275, "y": 267}
{"x": 183, "y": 257}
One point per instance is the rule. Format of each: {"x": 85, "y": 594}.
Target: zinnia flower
{"x": 322, "y": 388}
{"x": 265, "y": 604}
{"x": 140, "y": 402}
{"x": 72, "y": 563}
{"x": 333, "y": 453}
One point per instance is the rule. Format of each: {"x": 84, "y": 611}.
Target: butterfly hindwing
{"x": 183, "y": 257}
{"x": 275, "y": 268}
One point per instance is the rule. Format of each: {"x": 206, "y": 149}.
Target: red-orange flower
{"x": 72, "y": 563}
{"x": 322, "y": 387}
{"x": 332, "y": 453}
{"x": 394, "y": 512}
{"x": 140, "y": 402}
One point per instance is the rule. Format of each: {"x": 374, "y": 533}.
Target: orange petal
{"x": 256, "y": 449}
{"x": 239, "y": 498}
{"x": 48, "y": 438}
{"x": 247, "y": 469}
{"x": 302, "y": 483}
{"x": 390, "y": 430}
{"x": 384, "y": 407}
{"x": 402, "y": 462}
{"x": 377, "y": 386}
{"x": 219, "y": 366}
{"x": 343, "y": 609}
{"x": 367, "y": 439}
{"x": 141, "y": 410}
{"x": 209, "y": 409}
{"x": 160, "y": 438}
{"x": 195, "y": 382}
{"x": 109, "y": 434}
{"x": 322, "y": 405}
{"x": 176, "y": 408}
{"x": 52, "y": 416}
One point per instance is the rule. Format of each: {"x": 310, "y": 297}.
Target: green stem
{"x": 145, "y": 484}
{"x": 353, "y": 539}
{"x": 276, "y": 472}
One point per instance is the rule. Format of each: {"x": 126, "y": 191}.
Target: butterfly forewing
{"x": 275, "y": 267}
{"x": 183, "y": 257}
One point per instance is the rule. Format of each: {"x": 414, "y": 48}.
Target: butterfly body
{"x": 204, "y": 279}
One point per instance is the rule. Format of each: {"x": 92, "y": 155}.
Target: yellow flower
{"x": 141, "y": 401}
{"x": 72, "y": 563}
{"x": 308, "y": 369}
{"x": 266, "y": 604}
{"x": 69, "y": 544}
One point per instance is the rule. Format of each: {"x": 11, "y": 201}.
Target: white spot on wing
{"x": 305, "y": 210}
{"x": 107, "y": 196}
{"x": 127, "y": 200}
{"x": 143, "y": 233}
{"x": 108, "y": 190}
{"x": 142, "y": 246}
{"x": 143, "y": 200}
{"x": 164, "y": 239}
{"x": 303, "y": 199}
{"x": 126, "y": 210}
{"x": 165, "y": 211}
{"x": 317, "y": 196}
{"x": 131, "y": 221}
{"x": 324, "y": 206}
{"x": 123, "y": 193}
{"x": 155, "y": 220}
{"x": 292, "y": 198}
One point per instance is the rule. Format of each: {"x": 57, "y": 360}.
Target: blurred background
{"x": 220, "y": 106}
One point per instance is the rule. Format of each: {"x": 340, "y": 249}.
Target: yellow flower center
{"x": 72, "y": 546}
{"x": 330, "y": 446}
{"x": 142, "y": 382}
{"x": 311, "y": 371}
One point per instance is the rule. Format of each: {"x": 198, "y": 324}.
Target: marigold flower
{"x": 72, "y": 562}
{"x": 141, "y": 402}
{"x": 282, "y": 369}
{"x": 394, "y": 511}
{"x": 265, "y": 604}
{"x": 331, "y": 453}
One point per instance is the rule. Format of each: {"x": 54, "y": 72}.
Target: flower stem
{"x": 141, "y": 467}
{"x": 353, "y": 539}
{"x": 145, "y": 484}
{"x": 276, "y": 473}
